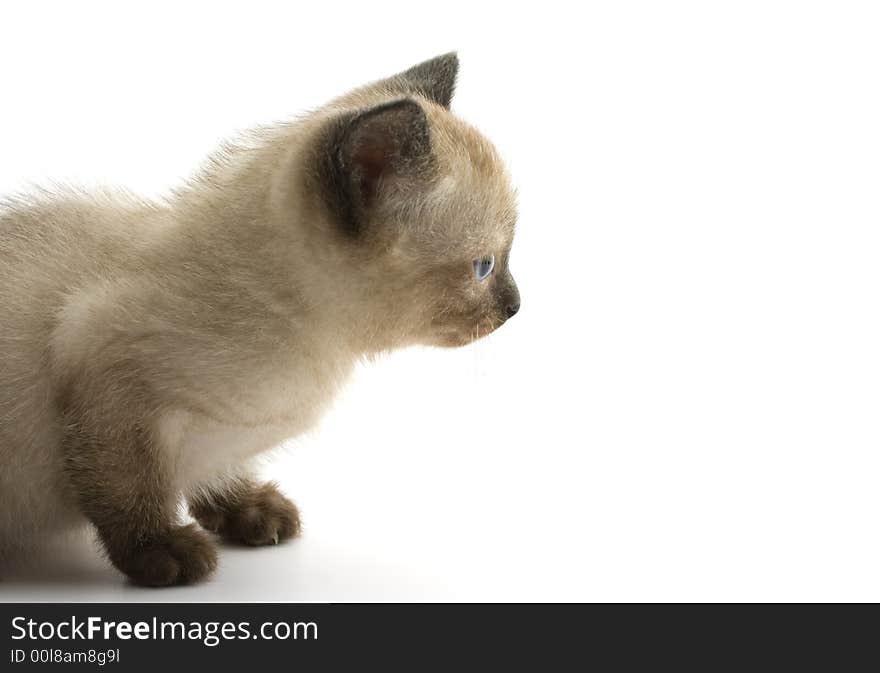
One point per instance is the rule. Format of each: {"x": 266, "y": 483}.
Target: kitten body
{"x": 150, "y": 350}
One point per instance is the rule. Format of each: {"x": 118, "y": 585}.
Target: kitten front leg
{"x": 245, "y": 512}
{"x": 115, "y": 467}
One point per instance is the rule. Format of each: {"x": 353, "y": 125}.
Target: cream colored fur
{"x": 235, "y": 297}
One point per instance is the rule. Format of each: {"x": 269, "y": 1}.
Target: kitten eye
{"x": 483, "y": 266}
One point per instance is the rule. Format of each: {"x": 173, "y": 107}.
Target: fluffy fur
{"x": 149, "y": 350}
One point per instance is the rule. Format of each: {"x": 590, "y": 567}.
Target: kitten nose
{"x": 510, "y": 296}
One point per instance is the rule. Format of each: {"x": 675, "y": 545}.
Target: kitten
{"x": 149, "y": 350}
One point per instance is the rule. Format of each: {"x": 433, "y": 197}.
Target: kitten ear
{"x": 371, "y": 153}
{"x": 433, "y": 79}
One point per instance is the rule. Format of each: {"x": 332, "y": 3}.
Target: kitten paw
{"x": 259, "y": 517}
{"x": 182, "y": 556}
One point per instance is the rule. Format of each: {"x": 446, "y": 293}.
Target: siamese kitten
{"x": 150, "y": 350}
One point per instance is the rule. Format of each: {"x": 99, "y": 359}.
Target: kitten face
{"x": 464, "y": 240}
{"x": 424, "y": 206}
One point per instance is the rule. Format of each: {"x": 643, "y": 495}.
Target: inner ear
{"x": 373, "y": 158}
{"x": 378, "y": 150}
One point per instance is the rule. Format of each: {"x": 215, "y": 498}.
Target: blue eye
{"x": 483, "y": 266}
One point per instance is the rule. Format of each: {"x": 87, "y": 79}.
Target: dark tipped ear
{"x": 368, "y": 153}
{"x": 434, "y": 79}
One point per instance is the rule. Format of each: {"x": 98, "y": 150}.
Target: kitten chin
{"x": 152, "y": 350}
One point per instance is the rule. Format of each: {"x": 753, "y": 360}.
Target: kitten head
{"x": 421, "y": 208}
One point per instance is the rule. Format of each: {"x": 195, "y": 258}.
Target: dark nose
{"x": 509, "y": 299}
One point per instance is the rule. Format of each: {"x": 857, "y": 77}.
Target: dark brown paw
{"x": 182, "y": 556}
{"x": 256, "y": 517}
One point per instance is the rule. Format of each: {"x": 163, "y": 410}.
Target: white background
{"x": 686, "y": 408}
